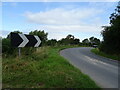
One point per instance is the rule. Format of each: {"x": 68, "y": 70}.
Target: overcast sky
{"x": 81, "y": 19}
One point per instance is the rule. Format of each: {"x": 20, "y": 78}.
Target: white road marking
{"x": 95, "y": 61}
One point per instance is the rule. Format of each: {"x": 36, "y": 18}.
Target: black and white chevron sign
{"x": 22, "y": 40}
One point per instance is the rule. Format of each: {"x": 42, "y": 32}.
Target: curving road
{"x": 102, "y": 70}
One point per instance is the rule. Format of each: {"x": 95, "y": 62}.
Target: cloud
{"x": 60, "y": 22}
{"x": 60, "y": 31}
{"x": 60, "y": 16}
{"x": 71, "y": 28}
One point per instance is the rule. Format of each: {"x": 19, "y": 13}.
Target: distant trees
{"x": 91, "y": 41}
{"x": 94, "y": 41}
{"x": 111, "y": 34}
{"x": 69, "y": 40}
{"x": 76, "y": 41}
{"x": 52, "y": 42}
{"x": 85, "y": 42}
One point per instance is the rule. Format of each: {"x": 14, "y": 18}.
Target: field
{"x": 45, "y": 68}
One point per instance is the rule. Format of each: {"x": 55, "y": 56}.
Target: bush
{"x": 7, "y": 49}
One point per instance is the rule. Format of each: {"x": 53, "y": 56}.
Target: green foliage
{"x": 7, "y": 50}
{"x": 76, "y": 41}
{"x": 85, "y": 42}
{"x": 52, "y": 42}
{"x": 111, "y": 34}
{"x": 94, "y": 41}
{"x": 69, "y": 40}
{"x": 91, "y": 41}
{"x": 98, "y": 52}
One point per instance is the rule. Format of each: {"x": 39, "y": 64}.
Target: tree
{"x": 76, "y": 41}
{"x": 70, "y": 36}
{"x": 85, "y": 42}
{"x": 91, "y": 39}
{"x": 69, "y": 40}
{"x": 64, "y": 41}
{"x": 111, "y": 34}
{"x": 52, "y": 42}
{"x": 42, "y": 34}
{"x": 94, "y": 41}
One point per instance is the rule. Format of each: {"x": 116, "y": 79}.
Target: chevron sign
{"x": 22, "y": 40}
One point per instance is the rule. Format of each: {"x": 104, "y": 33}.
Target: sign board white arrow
{"x": 38, "y": 41}
{"x": 22, "y": 40}
{"x": 25, "y": 40}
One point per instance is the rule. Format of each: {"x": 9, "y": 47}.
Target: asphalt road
{"x": 102, "y": 70}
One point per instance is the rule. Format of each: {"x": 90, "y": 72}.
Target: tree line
{"x": 7, "y": 49}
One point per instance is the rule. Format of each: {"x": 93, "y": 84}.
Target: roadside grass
{"x": 97, "y": 52}
{"x": 44, "y": 69}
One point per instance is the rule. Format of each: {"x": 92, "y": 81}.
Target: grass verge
{"x": 97, "y": 52}
{"x": 45, "y": 69}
